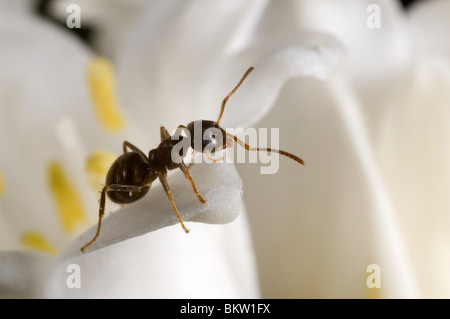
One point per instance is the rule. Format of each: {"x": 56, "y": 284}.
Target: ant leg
{"x": 213, "y": 159}
{"x": 184, "y": 128}
{"x": 191, "y": 163}
{"x": 101, "y": 212}
{"x": 229, "y": 143}
{"x": 133, "y": 148}
{"x": 162, "y": 179}
{"x": 189, "y": 177}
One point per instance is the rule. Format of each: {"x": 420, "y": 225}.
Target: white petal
{"x": 22, "y": 274}
{"x": 18, "y": 7}
{"x": 220, "y": 185}
{"x": 160, "y": 87}
{"x": 35, "y": 93}
{"x": 111, "y": 21}
{"x": 429, "y": 22}
{"x": 324, "y": 217}
{"x": 276, "y": 61}
{"x": 209, "y": 262}
{"x": 374, "y": 53}
{"x": 414, "y": 151}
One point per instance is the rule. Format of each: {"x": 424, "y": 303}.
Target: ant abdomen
{"x": 206, "y": 136}
{"x": 130, "y": 168}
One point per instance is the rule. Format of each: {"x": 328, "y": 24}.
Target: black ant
{"x": 130, "y": 176}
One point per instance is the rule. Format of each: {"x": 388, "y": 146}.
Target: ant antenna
{"x": 249, "y": 148}
{"x": 232, "y": 92}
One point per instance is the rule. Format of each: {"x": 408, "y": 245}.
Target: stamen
{"x": 37, "y": 242}
{"x": 373, "y": 293}
{"x": 2, "y": 184}
{"x": 97, "y": 166}
{"x": 66, "y": 197}
{"x": 100, "y": 76}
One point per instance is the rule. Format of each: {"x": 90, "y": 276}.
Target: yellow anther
{"x": 66, "y": 197}
{"x": 2, "y": 184}
{"x": 97, "y": 166}
{"x": 100, "y": 77}
{"x": 37, "y": 242}
{"x": 373, "y": 293}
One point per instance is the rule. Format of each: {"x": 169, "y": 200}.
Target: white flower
{"x": 375, "y": 141}
{"x": 373, "y": 133}
{"x": 49, "y": 127}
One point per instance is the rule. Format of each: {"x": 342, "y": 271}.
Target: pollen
{"x": 37, "y": 242}
{"x": 373, "y": 293}
{"x": 101, "y": 82}
{"x": 66, "y": 198}
{"x": 97, "y": 166}
{"x": 2, "y": 184}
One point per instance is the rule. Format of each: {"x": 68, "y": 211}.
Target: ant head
{"x": 207, "y": 136}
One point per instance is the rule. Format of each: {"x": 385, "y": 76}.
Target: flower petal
{"x": 429, "y": 22}
{"x": 22, "y": 273}
{"x": 219, "y": 184}
{"x": 414, "y": 152}
{"x": 374, "y": 53}
{"x": 209, "y": 262}
{"x": 34, "y": 99}
{"x": 330, "y": 213}
{"x": 276, "y": 61}
{"x": 110, "y": 20}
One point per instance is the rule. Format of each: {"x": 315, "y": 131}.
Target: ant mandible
{"x": 130, "y": 176}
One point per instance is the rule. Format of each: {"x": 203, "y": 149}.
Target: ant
{"x": 130, "y": 176}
